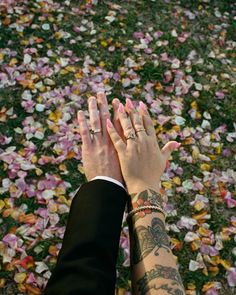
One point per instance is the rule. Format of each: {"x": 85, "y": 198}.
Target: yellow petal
{"x": 194, "y": 105}
{"x": 215, "y": 260}
{"x": 34, "y": 159}
{"x": 198, "y": 115}
{"x": 20, "y": 277}
{"x": 2, "y": 204}
{"x": 166, "y": 184}
{"x": 214, "y": 270}
{"x": 225, "y": 263}
{"x": 38, "y": 171}
{"x": 70, "y": 69}
{"x": 102, "y": 64}
{"x": 205, "y": 271}
{"x": 55, "y": 116}
{"x": 13, "y": 61}
{"x": 212, "y": 157}
{"x": 79, "y": 75}
{"x": 191, "y": 286}
{"x": 218, "y": 149}
{"x": 207, "y": 286}
{"x": 2, "y": 282}
{"x": 195, "y": 245}
{"x": 80, "y": 169}
{"x": 199, "y": 205}
{"x": 205, "y": 167}
{"x": 204, "y": 232}
{"x": 199, "y": 216}
{"x": 104, "y": 43}
{"x": 64, "y": 72}
{"x": 177, "y": 180}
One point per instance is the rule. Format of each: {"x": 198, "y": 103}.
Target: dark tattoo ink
{"x": 153, "y": 198}
{"x": 145, "y": 198}
{"x": 170, "y": 290}
{"x": 159, "y": 271}
{"x": 147, "y": 238}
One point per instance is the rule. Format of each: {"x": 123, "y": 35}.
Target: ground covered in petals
{"x": 178, "y": 57}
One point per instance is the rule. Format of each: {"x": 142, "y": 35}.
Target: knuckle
{"x": 84, "y": 132}
{"x": 105, "y": 115}
{"x": 129, "y": 128}
{"x": 95, "y": 121}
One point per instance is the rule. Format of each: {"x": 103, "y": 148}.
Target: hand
{"x": 99, "y": 156}
{"x": 141, "y": 160}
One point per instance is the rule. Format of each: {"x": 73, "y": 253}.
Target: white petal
{"x": 40, "y": 107}
{"x": 193, "y": 265}
{"x": 48, "y": 194}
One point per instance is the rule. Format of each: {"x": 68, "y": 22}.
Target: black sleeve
{"x": 86, "y": 263}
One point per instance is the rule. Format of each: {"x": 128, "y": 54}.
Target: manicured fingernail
{"x": 177, "y": 145}
{"x": 129, "y": 104}
{"x": 167, "y": 164}
{"x": 109, "y": 124}
{"x": 121, "y": 108}
{"x": 142, "y": 106}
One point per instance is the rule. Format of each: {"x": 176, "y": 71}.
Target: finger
{"x": 136, "y": 120}
{"x": 147, "y": 121}
{"x": 104, "y": 111}
{"x": 117, "y": 141}
{"x": 125, "y": 122}
{"x": 169, "y": 148}
{"x": 94, "y": 115}
{"x": 116, "y": 120}
{"x": 83, "y": 129}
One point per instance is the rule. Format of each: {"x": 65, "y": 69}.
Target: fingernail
{"x": 109, "y": 124}
{"x": 129, "y": 104}
{"x": 142, "y": 106}
{"x": 177, "y": 145}
{"x": 121, "y": 108}
{"x": 92, "y": 99}
{"x": 167, "y": 164}
{"x": 116, "y": 101}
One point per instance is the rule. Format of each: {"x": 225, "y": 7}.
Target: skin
{"x": 99, "y": 156}
{"x": 109, "y": 154}
{"x": 139, "y": 163}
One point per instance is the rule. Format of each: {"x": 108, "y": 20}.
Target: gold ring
{"x": 95, "y": 131}
{"x": 131, "y": 135}
{"x": 140, "y": 129}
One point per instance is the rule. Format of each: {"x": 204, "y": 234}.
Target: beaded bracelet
{"x": 141, "y": 208}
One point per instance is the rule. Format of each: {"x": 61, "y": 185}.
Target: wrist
{"x": 140, "y": 187}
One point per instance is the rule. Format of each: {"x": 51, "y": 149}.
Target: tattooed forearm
{"x": 149, "y": 197}
{"x": 159, "y": 272}
{"x": 145, "y": 198}
{"x": 147, "y": 238}
{"x": 170, "y": 290}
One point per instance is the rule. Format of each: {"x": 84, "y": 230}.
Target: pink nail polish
{"x": 121, "y": 108}
{"x": 109, "y": 124}
{"x": 177, "y": 145}
{"x": 142, "y": 106}
{"x": 129, "y": 103}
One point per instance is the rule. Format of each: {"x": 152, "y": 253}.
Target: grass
{"x": 136, "y": 16}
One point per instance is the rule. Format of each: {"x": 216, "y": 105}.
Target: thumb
{"x": 169, "y": 148}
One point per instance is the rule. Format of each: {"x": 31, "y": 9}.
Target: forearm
{"x": 154, "y": 269}
{"x": 87, "y": 259}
